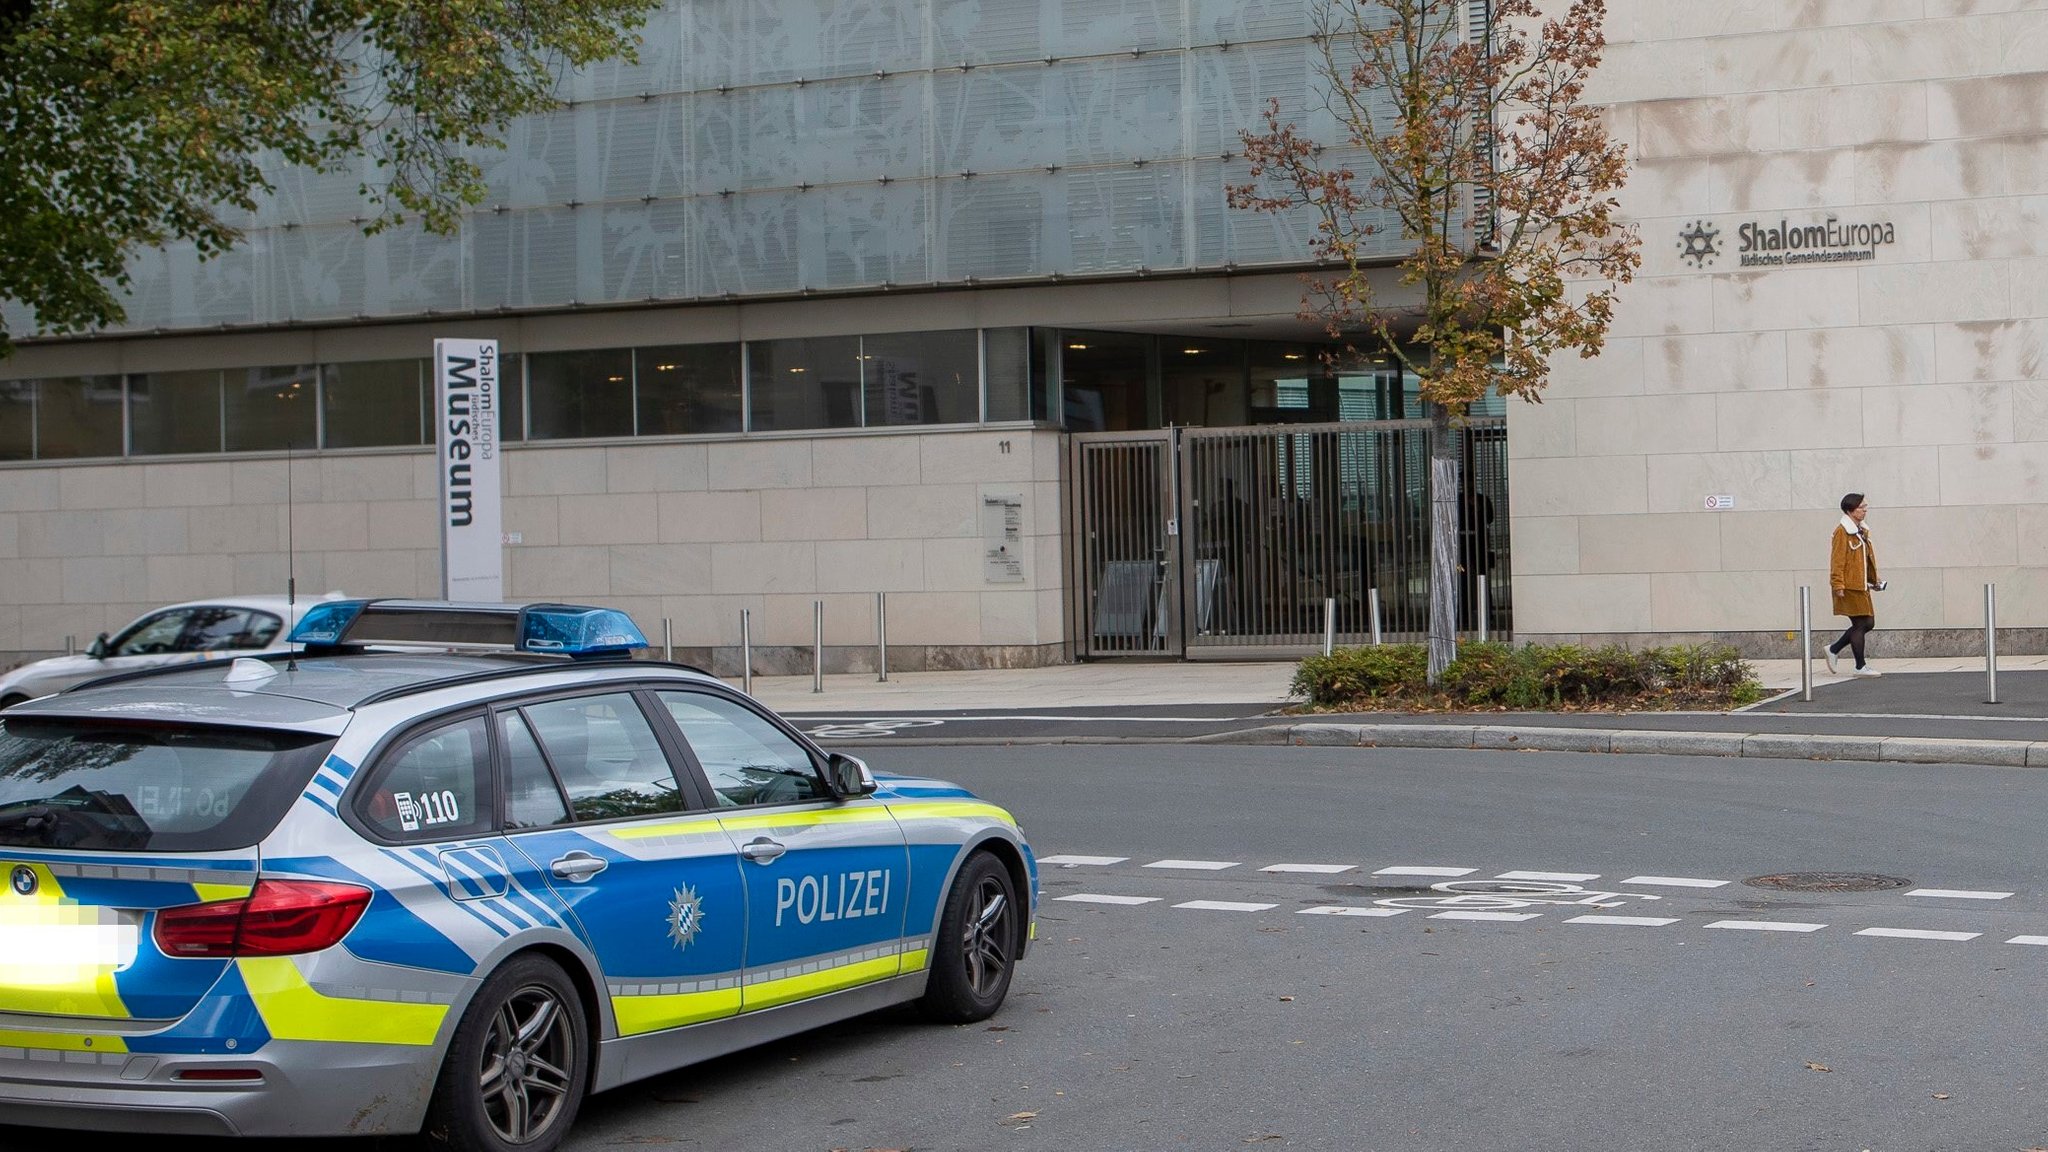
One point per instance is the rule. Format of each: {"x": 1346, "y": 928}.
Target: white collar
{"x": 1851, "y": 526}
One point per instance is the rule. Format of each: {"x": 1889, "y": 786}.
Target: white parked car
{"x": 181, "y": 633}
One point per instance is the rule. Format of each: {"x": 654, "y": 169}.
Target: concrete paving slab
{"x": 1920, "y": 750}
{"x": 1803, "y": 746}
{"x": 1654, "y": 743}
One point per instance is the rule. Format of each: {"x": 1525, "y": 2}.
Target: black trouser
{"x": 1852, "y": 636}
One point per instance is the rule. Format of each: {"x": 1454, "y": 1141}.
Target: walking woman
{"x": 1852, "y": 575}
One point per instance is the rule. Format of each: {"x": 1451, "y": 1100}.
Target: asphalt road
{"x": 1139, "y": 1024}
{"x": 1150, "y": 1026}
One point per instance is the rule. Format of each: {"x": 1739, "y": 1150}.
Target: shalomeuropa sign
{"x": 466, "y": 408}
{"x": 1767, "y": 244}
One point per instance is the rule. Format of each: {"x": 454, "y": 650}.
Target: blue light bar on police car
{"x": 326, "y": 623}
{"x": 575, "y": 630}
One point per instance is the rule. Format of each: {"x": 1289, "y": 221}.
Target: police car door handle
{"x": 576, "y": 867}
{"x": 762, "y": 850}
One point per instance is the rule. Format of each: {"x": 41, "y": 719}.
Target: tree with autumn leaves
{"x": 1479, "y": 147}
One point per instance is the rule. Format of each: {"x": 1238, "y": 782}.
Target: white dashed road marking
{"x": 1095, "y": 898}
{"x": 1407, "y": 870}
{"x": 1318, "y": 869}
{"x": 1675, "y": 882}
{"x": 1560, "y": 877}
{"x": 1640, "y": 921}
{"x": 1225, "y": 906}
{"x": 1508, "y": 916}
{"x": 1958, "y": 894}
{"x": 1073, "y": 861}
{"x": 1766, "y": 926}
{"x": 2028, "y": 940}
{"x": 1347, "y": 910}
{"x": 1198, "y": 865}
{"x": 1918, "y": 934}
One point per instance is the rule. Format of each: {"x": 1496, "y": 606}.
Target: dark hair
{"x": 1850, "y": 502}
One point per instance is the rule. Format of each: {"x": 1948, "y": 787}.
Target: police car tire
{"x": 11, "y": 700}
{"x": 457, "y": 1118}
{"x": 950, "y": 995}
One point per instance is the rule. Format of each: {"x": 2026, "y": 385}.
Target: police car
{"x": 451, "y": 868}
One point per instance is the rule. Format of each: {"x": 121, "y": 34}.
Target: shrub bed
{"x": 1561, "y": 677}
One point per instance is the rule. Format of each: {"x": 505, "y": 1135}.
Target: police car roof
{"x": 298, "y": 692}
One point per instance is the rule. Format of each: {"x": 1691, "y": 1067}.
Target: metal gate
{"x": 1231, "y": 543}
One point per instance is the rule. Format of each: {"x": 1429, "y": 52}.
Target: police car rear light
{"x": 218, "y": 1075}
{"x": 279, "y": 918}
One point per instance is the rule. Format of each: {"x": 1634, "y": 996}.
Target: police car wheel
{"x": 976, "y": 950}
{"x": 11, "y": 700}
{"x": 518, "y": 1065}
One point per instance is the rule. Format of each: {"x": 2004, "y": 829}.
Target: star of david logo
{"x": 1699, "y": 243}
{"x": 685, "y": 917}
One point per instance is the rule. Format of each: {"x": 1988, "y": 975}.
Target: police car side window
{"x": 532, "y": 798}
{"x": 605, "y": 753}
{"x": 434, "y": 786}
{"x": 748, "y": 760}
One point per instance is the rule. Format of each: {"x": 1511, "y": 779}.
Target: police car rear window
{"x": 147, "y": 788}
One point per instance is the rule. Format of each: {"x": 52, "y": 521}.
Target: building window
{"x": 17, "y": 419}
{"x": 174, "y": 412}
{"x": 687, "y": 389}
{"x": 1106, "y": 381}
{"x": 78, "y": 416}
{"x": 921, "y": 378}
{"x": 372, "y": 404}
{"x": 580, "y": 394}
{"x": 805, "y": 383}
{"x": 270, "y": 408}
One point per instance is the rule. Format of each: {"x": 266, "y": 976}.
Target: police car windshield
{"x": 154, "y": 788}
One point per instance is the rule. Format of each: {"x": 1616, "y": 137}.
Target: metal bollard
{"x": 71, "y": 645}
{"x": 1372, "y": 605}
{"x": 817, "y": 646}
{"x": 746, "y": 651}
{"x": 1482, "y": 607}
{"x": 1805, "y": 642}
{"x": 1329, "y": 625}
{"x": 882, "y": 635}
{"x": 1991, "y": 643}
{"x": 668, "y": 639}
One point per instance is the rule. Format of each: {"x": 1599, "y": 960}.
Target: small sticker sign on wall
{"x": 1720, "y": 503}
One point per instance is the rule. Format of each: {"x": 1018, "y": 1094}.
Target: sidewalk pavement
{"x": 1928, "y": 710}
{"x": 1143, "y": 683}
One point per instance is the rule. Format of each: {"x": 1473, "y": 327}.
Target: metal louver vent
{"x": 1479, "y": 32}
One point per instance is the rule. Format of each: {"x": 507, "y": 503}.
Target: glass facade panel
{"x": 17, "y": 419}
{"x": 270, "y": 408}
{"x": 372, "y": 403}
{"x": 173, "y": 412}
{"x": 1202, "y": 382}
{"x": 1008, "y": 358}
{"x": 922, "y": 378}
{"x": 813, "y": 383}
{"x": 1106, "y": 378}
{"x": 78, "y": 416}
{"x": 688, "y": 388}
{"x": 578, "y": 394}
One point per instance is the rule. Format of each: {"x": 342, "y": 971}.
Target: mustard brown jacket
{"x": 1852, "y": 569}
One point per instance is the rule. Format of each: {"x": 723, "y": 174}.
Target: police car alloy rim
{"x": 986, "y": 945}
{"x": 528, "y": 1061}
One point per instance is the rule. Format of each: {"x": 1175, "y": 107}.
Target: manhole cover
{"x": 1827, "y": 882}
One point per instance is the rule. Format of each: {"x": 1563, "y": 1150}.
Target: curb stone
{"x": 1751, "y": 745}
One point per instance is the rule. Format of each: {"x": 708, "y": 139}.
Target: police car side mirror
{"x": 848, "y": 776}
{"x": 98, "y": 651}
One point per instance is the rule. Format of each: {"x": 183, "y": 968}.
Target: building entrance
{"x": 1232, "y": 543}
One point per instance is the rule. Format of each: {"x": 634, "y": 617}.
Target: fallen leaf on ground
{"x": 1260, "y": 1139}
{"x": 1818, "y": 1067}
{"x": 1287, "y": 999}
{"x": 1941, "y": 1095}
